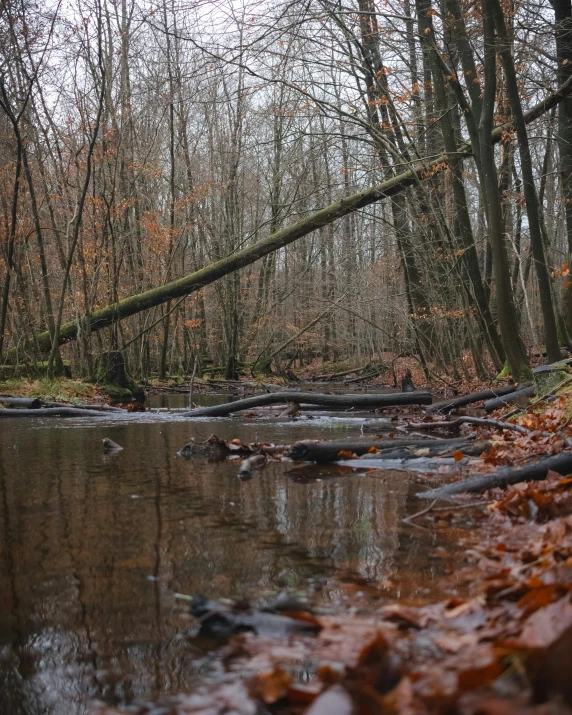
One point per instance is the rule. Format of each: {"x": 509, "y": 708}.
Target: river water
{"x": 93, "y": 547}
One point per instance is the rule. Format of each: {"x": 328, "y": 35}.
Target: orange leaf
{"x": 345, "y": 454}
{"x": 372, "y": 450}
{"x": 458, "y": 456}
{"x": 270, "y": 686}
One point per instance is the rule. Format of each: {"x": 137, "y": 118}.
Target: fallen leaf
{"x": 270, "y": 686}
{"x": 546, "y": 625}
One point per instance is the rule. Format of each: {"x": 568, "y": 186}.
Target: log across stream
{"x": 359, "y": 401}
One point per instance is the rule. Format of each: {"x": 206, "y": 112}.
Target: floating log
{"x": 52, "y": 412}
{"x": 314, "y": 398}
{"x": 454, "y": 402}
{"x": 29, "y": 403}
{"x": 504, "y": 477}
{"x": 498, "y": 402}
{"x": 325, "y": 452}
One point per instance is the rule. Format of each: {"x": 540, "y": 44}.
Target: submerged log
{"x": 314, "y": 398}
{"x": 504, "y": 477}
{"x": 325, "y": 452}
{"x": 52, "y": 412}
{"x": 454, "y": 402}
{"x": 29, "y": 403}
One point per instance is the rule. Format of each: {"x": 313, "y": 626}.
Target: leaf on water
{"x": 458, "y": 456}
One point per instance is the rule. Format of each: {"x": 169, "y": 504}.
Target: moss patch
{"x": 59, "y": 390}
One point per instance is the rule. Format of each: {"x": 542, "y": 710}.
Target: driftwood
{"x": 314, "y": 398}
{"x": 324, "y": 452}
{"x": 52, "y": 412}
{"x": 561, "y": 463}
{"x": 29, "y": 403}
{"x": 454, "y": 402}
{"x": 498, "y": 402}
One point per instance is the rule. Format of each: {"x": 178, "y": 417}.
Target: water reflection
{"x": 93, "y": 547}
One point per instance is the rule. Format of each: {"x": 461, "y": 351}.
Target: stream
{"x": 93, "y": 547}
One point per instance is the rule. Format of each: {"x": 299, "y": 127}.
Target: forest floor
{"x": 499, "y": 642}
{"x": 61, "y": 389}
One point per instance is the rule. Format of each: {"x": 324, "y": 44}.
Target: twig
{"x": 409, "y": 519}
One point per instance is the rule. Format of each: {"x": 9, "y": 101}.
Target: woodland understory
{"x": 250, "y": 188}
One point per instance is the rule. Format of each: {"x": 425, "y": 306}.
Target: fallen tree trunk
{"x": 314, "y": 398}
{"x": 134, "y": 304}
{"x": 497, "y": 402}
{"x": 29, "y": 403}
{"x": 479, "y": 421}
{"x": 470, "y": 448}
{"x": 325, "y": 452}
{"x": 52, "y": 412}
{"x": 561, "y": 463}
{"x": 454, "y": 402}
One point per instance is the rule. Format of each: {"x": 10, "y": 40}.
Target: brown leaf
{"x": 406, "y": 616}
{"x": 458, "y": 456}
{"x": 270, "y": 686}
{"x": 538, "y": 597}
{"x": 547, "y": 624}
{"x": 481, "y": 667}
